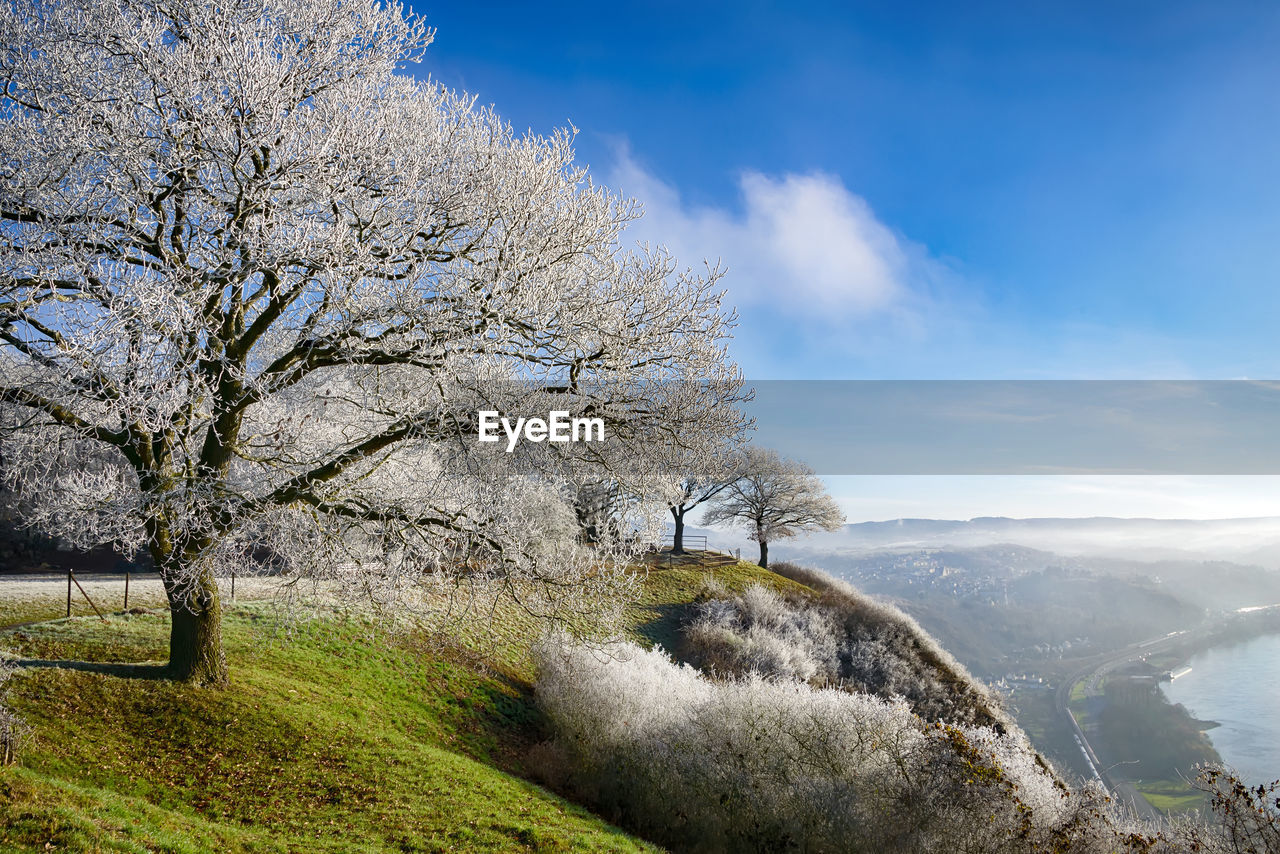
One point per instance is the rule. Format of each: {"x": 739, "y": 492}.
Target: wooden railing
{"x": 691, "y": 541}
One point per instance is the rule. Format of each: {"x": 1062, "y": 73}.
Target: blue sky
{"x": 929, "y": 190}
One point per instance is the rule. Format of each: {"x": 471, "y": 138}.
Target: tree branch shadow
{"x": 149, "y": 670}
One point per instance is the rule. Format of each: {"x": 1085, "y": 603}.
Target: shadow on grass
{"x": 150, "y": 670}
{"x": 664, "y": 628}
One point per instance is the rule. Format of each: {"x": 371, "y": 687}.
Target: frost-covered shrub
{"x": 759, "y": 764}
{"x": 1250, "y": 815}
{"x": 884, "y": 651}
{"x": 760, "y": 631}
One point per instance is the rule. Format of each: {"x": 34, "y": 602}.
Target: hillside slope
{"x": 327, "y": 741}
{"x": 332, "y": 739}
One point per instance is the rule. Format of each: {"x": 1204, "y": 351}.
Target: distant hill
{"x": 1249, "y": 541}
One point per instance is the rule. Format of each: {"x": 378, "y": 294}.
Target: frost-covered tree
{"x": 597, "y": 506}
{"x": 774, "y": 498}
{"x": 694, "y": 490}
{"x": 256, "y": 283}
{"x": 702, "y": 476}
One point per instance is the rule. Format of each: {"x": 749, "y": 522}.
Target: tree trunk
{"x": 677, "y": 541}
{"x": 764, "y": 554}
{"x": 195, "y": 632}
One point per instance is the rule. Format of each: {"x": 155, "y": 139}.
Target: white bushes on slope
{"x": 939, "y": 686}
{"x": 843, "y": 638}
{"x": 869, "y": 611}
{"x": 760, "y": 631}
{"x": 770, "y": 764}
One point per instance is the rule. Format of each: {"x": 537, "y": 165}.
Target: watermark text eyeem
{"x": 556, "y": 427}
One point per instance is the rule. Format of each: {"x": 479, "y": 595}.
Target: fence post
{"x": 233, "y": 585}
{"x": 126, "y": 590}
{"x": 68, "y": 593}
{"x": 71, "y": 575}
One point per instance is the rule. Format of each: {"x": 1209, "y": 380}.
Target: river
{"x": 1239, "y": 687}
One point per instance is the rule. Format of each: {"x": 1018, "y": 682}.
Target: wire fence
{"x": 30, "y": 597}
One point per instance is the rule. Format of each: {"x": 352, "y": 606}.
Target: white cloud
{"x": 803, "y": 243}
{"x": 825, "y": 289}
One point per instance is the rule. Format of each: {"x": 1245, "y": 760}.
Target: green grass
{"x": 1077, "y": 694}
{"x": 1172, "y": 796}
{"x": 668, "y": 595}
{"x": 334, "y": 739}
{"x": 15, "y": 611}
{"x": 331, "y": 741}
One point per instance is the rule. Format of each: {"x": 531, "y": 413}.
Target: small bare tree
{"x": 256, "y": 285}
{"x": 693, "y": 492}
{"x": 775, "y": 498}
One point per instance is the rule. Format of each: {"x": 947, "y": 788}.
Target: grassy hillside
{"x": 326, "y": 742}
{"x": 331, "y": 740}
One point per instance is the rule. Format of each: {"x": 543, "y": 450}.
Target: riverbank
{"x": 1234, "y": 684}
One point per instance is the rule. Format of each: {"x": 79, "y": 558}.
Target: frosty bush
{"x": 843, "y": 638}
{"x": 774, "y": 765}
{"x": 760, "y": 631}
{"x": 1250, "y": 815}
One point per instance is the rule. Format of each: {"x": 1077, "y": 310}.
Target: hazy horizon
{"x": 872, "y": 498}
{"x": 1248, "y": 540}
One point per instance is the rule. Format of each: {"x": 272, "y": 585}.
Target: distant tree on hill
{"x": 694, "y": 491}
{"x": 774, "y": 498}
